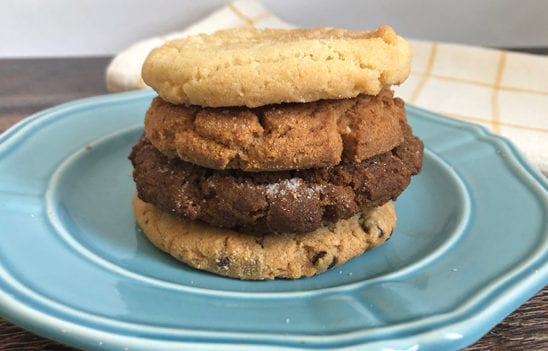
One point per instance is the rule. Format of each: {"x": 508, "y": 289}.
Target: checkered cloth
{"x": 504, "y": 91}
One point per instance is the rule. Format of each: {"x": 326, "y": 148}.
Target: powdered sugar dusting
{"x": 284, "y": 187}
{"x": 294, "y": 186}
{"x": 272, "y": 189}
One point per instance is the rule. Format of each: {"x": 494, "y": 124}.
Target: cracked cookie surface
{"x": 278, "y": 137}
{"x": 285, "y": 201}
{"x": 255, "y": 67}
{"x": 246, "y": 256}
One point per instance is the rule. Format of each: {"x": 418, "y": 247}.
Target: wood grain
{"x": 30, "y": 85}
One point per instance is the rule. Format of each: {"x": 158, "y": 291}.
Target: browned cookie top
{"x": 286, "y": 201}
{"x": 277, "y": 137}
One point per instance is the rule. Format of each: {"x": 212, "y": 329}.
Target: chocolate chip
{"x": 260, "y": 240}
{"x": 333, "y": 262}
{"x": 223, "y": 262}
{"x": 318, "y": 256}
{"x": 365, "y": 227}
{"x": 381, "y": 234}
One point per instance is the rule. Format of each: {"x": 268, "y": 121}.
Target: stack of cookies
{"x": 274, "y": 153}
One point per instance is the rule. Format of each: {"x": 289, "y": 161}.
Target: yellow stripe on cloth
{"x": 485, "y": 120}
{"x": 495, "y": 118}
{"x": 250, "y": 21}
{"x": 426, "y": 73}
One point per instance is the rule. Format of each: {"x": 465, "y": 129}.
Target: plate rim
{"x": 528, "y": 172}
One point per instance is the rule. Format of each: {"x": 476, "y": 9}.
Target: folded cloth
{"x": 124, "y": 71}
{"x": 506, "y": 92}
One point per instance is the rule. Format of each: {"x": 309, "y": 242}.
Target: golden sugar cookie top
{"x": 255, "y": 67}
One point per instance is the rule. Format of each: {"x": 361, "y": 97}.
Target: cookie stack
{"x": 274, "y": 153}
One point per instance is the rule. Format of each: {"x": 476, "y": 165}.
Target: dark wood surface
{"x": 30, "y": 85}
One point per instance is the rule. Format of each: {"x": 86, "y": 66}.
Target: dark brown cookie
{"x": 287, "y": 201}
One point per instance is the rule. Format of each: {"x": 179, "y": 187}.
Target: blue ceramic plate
{"x": 471, "y": 245}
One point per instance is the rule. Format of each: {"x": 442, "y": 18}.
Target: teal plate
{"x": 471, "y": 245}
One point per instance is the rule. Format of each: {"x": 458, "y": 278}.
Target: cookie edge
{"x": 180, "y": 87}
{"x": 231, "y": 254}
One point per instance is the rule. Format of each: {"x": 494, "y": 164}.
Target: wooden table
{"x": 30, "y": 85}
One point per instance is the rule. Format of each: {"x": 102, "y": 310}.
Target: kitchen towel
{"x": 506, "y": 92}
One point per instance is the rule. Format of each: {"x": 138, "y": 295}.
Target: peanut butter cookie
{"x": 256, "y": 67}
{"x": 246, "y": 256}
{"x": 278, "y": 137}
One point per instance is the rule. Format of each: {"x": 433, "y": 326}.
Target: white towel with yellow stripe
{"x": 506, "y": 92}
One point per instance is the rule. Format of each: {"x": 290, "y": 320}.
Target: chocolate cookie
{"x": 244, "y": 256}
{"x": 277, "y": 137}
{"x": 286, "y": 201}
{"x": 256, "y": 67}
